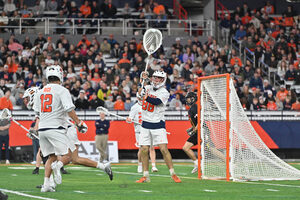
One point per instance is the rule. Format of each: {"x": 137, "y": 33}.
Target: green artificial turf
{"x": 91, "y": 184}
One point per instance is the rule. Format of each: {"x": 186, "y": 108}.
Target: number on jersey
{"x": 147, "y": 106}
{"x": 46, "y": 101}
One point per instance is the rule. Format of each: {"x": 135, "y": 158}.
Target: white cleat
{"x": 154, "y": 169}
{"x": 140, "y": 169}
{"x": 194, "y": 170}
{"x": 56, "y": 173}
{"x": 47, "y": 189}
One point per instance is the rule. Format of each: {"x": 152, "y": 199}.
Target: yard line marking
{"x": 209, "y": 190}
{"x": 272, "y": 190}
{"x": 272, "y": 184}
{"x": 14, "y": 175}
{"x": 99, "y": 174}
{"x": 145, "y": 191}
{"x": 25, "y": 195}
{"x": 78, "y": 191}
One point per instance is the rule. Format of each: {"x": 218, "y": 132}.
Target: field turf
{"x": 85, "y": 183}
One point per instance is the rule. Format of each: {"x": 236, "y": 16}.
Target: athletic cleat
{"x": 108, "y": 170}
{"x": 144, "y": 179}
{"x": 35, "y": 171}
{"x": 176, "y": 178}
{"x": 39, "y": 186}
{"x": 154, "y": 169}
{"x": 194, "y": 170}
{"x": 63, "y": 171}
{"x": 56, "y": 173}
{"x": 3, "y": 196}
{"x": 140, "y": 169}
{"x": 47, "y": 189}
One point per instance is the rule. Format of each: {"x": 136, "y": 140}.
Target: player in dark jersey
{"x": 191, "y": 99}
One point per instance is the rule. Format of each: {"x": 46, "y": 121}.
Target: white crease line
{"x": 145, "y": 191}
{"x": 25, "y": 195}
{"x": 273, "y": 184}
{"x": 272, "y": 190}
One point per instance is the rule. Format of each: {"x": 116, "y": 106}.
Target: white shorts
{"x": 73, "y": 138}
{"x": 153, "y": 137}
{"x": 137, "y": 137}
{"x": 54, "y": 141}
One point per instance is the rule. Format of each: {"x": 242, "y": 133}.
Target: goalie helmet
{"x": 28, "y": 96}
{"x": 160, "y": 83}
{"x": 54, "y": 70}
{"x": 191, "y": 98}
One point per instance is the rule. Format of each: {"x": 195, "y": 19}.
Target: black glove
{"x": 191, "y": 131}
{"x": 32, "y": 134}
{"x": 82, "y": 127}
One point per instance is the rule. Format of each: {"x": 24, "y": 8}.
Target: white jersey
{"x": 155, "y": 113}
{"x": 52, "y": 103}
{"x": 136, "y": 115}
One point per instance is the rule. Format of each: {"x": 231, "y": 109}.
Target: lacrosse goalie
{"x": 153, "y": 130}
{"x": 135, "y": 114}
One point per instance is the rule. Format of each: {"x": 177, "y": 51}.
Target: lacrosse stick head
{"x": 5, "y": 114}
{"x": 101, "y": 109}
{"x": 152, "y": 40}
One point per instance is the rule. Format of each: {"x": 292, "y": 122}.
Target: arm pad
{"x": 154, "y": 101}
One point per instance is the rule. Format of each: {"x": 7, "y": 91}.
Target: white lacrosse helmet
{"x": 160, "y": 74}
{"x": 28, "y": 96}
{"x": 139, "y": 98}
{"x": 54, "y": 70}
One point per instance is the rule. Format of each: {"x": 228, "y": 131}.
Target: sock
{"x": 196, "y": 162}
{"x": 100, "y": 165}
{"x": 37, "y": 168}
{"x": 153, "y": 164}
{"x": 59, "y": 164}
{"x": 51, "y": 180}
{"x": 172, "y": 172}
{"x": 140, "y": 164}
{"x": 146, "y": 173}
{"x": 46, "y": 182}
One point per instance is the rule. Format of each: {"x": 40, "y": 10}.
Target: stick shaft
{"x": 23, "y": 127}
{"x": 120, "y": 117}
{"x": 147, "y": 63}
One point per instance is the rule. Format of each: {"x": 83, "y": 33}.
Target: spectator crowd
{"x": 92, "y": 82}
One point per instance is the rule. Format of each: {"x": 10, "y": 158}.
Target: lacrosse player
{"x": 52, "y": 104}
{"x": 153, "y": 130}
{"x": 135, "y": 114}
{"x": 191, "y": 99}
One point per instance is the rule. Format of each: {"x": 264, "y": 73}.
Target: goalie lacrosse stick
{"x": 104, "y": 110}
{"x": 152, "y": 40}
{"x": 5, "y": 114}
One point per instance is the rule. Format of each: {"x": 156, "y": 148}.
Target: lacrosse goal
{"x": 230, "y": 148}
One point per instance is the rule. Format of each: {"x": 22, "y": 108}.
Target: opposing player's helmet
{"x": 54, "y": 70}
{"x": 160, "y": 74}
{"x": 28, "y": 96}
{"x": 191, "y": 98}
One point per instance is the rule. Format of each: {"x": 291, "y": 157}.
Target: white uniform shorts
{"x": 153, "y": 137}
{"x": 137, "y": 137}
{"x": 54, "y": 141}
{"x": 73, "y": 138}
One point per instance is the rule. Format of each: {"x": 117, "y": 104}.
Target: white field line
{"x": 209, "y": 190}
{"x": 78, "y": 191}
{"x": 272, "y": 190}
{"x": 145, "y": 191}
{"x": 25, "y": 195}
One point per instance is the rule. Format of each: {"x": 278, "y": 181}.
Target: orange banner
{"x": 124, "y": 133}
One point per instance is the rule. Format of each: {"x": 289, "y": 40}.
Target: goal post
{"x": 228, "y": 146}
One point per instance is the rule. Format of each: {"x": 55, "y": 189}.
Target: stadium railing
{"x": 48, "y": 25}
{"x": 180, "y": 115}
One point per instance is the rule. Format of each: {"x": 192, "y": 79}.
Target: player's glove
{"x": 82, "y": 127}
{"x": 143, "y": 93}
{"x": 191, "y": 131}
{"x": 32, "y": 134}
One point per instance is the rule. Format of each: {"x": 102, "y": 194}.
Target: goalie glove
{"x": 191, "y": 131}
{"x": 82, "y": 127}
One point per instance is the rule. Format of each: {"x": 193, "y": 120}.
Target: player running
{"x": 153, "y": 130}
{"x": 135, "y": 115}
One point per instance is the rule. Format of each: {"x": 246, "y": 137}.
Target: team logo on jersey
{"x": 47, "y": 89}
